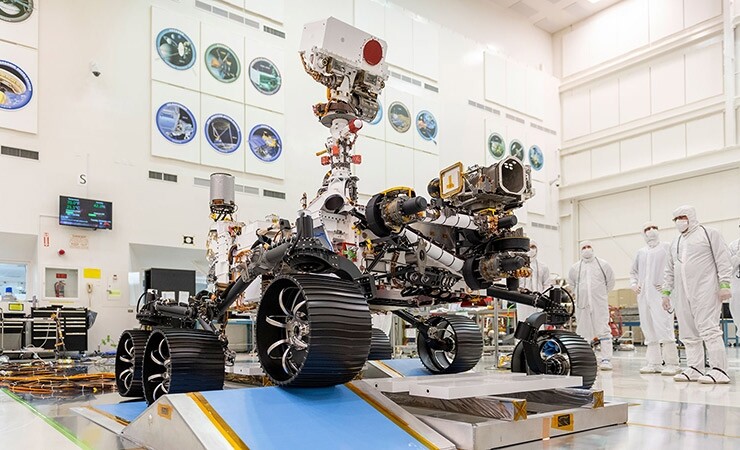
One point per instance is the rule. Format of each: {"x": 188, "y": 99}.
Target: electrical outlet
{"x": 188, "y": 240}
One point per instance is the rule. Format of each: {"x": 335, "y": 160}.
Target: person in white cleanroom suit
{"x": 646, "y": 279}
{"x": 697, "y": 281}
{"x": 592, "y": 278}
{"x": 735, "y": 301}
{"x": 538, "y": 282}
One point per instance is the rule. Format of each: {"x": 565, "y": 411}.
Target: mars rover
{"x": 323, "y": 274}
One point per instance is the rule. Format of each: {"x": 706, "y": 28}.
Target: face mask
{"x": 682, "y": 225}
{"x": 532, "y": 252}
{"x": 652, "y": 234}
{"x": 587, "y": 253}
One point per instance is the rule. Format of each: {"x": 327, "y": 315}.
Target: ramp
{"x": 351, "y": 416}
{"x": 473, "y": 411}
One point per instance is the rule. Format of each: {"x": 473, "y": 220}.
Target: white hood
{"x": 690, "y": 212}
{"x": 651, "y": 241}
{"x": 531, "y": 243}
{"x": 584, "y": 244}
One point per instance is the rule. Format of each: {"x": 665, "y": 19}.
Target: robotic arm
{"x": 466, "y": 229}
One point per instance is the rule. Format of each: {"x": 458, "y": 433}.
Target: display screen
{"x": 86, "y": 213}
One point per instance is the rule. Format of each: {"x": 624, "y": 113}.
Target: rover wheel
{"x": 182, "y": 360}
{"x": 129, "y": 360}
{"x": 312, "y": 330}
{"x": 455, "y": 344}
{"x": 565, "y": 353}
{"x": 380, "y": 346}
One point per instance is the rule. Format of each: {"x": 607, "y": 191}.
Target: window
{"x": 13, "y": 280}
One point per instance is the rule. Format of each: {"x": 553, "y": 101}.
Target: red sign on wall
{"x": 61, "y": 275}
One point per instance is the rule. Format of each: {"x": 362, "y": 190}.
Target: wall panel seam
{"x": 639, "y": 127}
{"x": 686, "y": 39}
{"x": 711, "y": 162}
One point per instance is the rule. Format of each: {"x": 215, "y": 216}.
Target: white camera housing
{"x": 345, "y": 43}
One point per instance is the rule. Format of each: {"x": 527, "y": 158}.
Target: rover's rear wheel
{"x": 312, "y": 330}
{"x": 182, "y": 360}
{"x": 380, "y": 346}
{"x": 455, "y": 344}
{"x": 129, "y": 360}
{"x": 564, "y": 353}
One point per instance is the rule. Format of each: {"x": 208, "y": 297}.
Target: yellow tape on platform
{"x": 520, "y": 410}
{"x": 389, "y": 369}
{"x": 228, "y": 433}
{"x": 112, "y": 417}
{"x": 598, "y": 399}
{"x": 392, "y": 416}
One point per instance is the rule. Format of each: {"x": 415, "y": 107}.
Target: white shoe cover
{"x": 690, "y": 374}
{"x": 715, "y": 376}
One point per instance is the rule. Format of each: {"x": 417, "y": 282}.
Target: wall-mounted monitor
{"x": 85, "y": 213}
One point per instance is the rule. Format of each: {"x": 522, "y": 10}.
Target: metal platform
{"x": 251, "y": 368}
{"x": 472, "y": 432}
{"x": 406, "y": 408}
{"x": 271, "y": 417}
{"x": 473, "y": 384}
{"x": 495, "y": 409}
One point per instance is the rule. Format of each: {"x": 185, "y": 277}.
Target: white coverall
{"x": 592, "y": 279}
{"x": 698, "y": 266}
{"x": 538, "y": 282}
{"x": 655, "y": 323}
{"x": 735, "y": 301}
